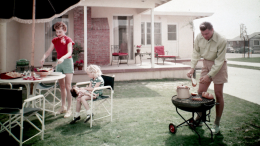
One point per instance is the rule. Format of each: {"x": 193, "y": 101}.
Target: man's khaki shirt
{"x": 213, "y": 49}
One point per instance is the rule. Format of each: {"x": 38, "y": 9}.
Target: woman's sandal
{"x": 61, "y": 111}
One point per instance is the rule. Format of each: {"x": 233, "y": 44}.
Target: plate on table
{"x": 56, "y": 73}
{"x": 11, "y": 75}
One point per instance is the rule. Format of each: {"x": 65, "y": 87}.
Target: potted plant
{"x": 138, "y": 48}
{"x": 79, "y": 64}
{"x": 75, "y": 65}
{"x": 77, "y": 49}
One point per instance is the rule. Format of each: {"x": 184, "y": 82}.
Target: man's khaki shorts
{"x": 221, "y": 77}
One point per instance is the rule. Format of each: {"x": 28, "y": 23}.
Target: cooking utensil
{"x": 193, "y": 81}
{"x": 183, "y": 92}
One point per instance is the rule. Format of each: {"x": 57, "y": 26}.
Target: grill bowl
{"x": 191, "y": 105}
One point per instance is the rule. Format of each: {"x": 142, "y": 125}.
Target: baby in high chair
{"x": 84, "y": 93}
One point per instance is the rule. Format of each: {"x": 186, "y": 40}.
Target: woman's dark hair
{"x": 73, "y": 93}
{"x": 59, "y": 25}
{"x": 205, "y": 25}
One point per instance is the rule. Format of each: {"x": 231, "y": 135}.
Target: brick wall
{"x": 98, "y": 36}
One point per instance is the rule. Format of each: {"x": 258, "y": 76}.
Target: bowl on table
{"x": 43, "y": 72}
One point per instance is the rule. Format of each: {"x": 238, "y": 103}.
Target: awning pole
{"x": 152, "y": 37}
{"x": 85, "y": 37}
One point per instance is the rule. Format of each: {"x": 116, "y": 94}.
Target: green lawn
{"x": 142, "y": 113}
{"x": 252, "y": 59}
{"x": 244, "y": 66}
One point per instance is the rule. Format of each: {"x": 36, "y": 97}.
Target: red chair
{"x": 117, "y": 52}
{"x": 159, "y": 53}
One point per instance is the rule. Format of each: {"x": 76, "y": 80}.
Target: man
{"x": 210, "y": 46}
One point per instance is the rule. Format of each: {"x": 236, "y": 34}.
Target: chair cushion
{"x": 10, "y": 111}
{"x": 44, "y": 86}
{"x": 123, "y": 54}
{"x": 115, "y": 54}
{"x": 159, "y": 50}
{"x": 17, "y": 111}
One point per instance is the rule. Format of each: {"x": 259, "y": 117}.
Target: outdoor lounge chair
{"x": 108, "y": 84}
{"x": 117, "y": 52}
{"x": 50, "y": 90}
{"x": 18, "y": 113}
{"x": 159, "y": 53}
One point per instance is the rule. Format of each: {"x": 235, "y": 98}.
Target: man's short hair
{"x": 205, "y": 25}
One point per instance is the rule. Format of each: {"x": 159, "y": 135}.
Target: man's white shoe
{"x": 215, "y": 129}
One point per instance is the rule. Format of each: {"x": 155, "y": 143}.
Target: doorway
{"x": 123, "y": 33}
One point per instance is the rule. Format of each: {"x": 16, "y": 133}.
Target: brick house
{"x": 106, "y": 23}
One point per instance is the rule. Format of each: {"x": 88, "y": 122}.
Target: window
{"x": 50, "y": 34}
{"x": 172, "y": 33}
{"x": 142, "y": 34}
{"x": 148, "y": 33}
{"x": 256, "y": 42}
{"x": 157, "y": 33}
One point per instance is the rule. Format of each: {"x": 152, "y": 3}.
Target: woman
{"x": 63, "y": 45}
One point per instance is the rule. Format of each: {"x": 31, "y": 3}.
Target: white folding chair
{"x": 50, "y": 90}
{"x": 18, "y": 113}
{"x": 108, "y": 84}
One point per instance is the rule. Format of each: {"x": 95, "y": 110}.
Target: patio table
{"x": 49, "y": 78}
{"x": 141, "y": 54}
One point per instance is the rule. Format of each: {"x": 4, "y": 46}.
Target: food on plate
{"x": 207, "y": 95}
{"x": 43, "y": 69}
{"x": 32, "y": 78}
{"x": 194, "y": 94}
{"x": 14, "y": 74}
{"x": 196, "y": 98}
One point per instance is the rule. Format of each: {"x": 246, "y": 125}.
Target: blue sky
{"x": 227, "y": 17}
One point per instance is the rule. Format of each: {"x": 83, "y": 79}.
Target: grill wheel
{"x": 191, "y": 123}
{"x": 172, "y": 128}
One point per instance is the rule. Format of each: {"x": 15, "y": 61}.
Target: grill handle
{"x": 205, "y": 104}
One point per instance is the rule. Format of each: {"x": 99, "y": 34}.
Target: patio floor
{"x": 136, "y": 71}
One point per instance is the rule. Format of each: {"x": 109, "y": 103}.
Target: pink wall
{"x": 98, "y": 36}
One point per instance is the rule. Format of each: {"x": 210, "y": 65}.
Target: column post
{"x": 85, "y": 37}
{"x": 152, "y": 37}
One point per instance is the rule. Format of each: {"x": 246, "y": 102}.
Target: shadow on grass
{"x": 177, "y": 139}
{"x": 80, "y": 128}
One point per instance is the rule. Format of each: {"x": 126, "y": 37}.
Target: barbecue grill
{"x": 193, "y": 106}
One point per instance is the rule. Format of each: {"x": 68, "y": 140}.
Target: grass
{"x": 244, "y": 66}
{"x": 142, "y": 112}
{"x": 252, "y": 59}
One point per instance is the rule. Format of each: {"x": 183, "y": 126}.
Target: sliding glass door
{"x": 123, "y": 33}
